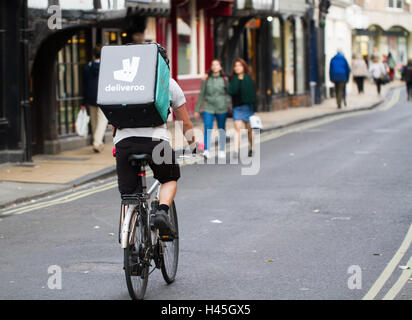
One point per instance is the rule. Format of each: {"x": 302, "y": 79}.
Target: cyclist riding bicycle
{"x": 147, "y": 140}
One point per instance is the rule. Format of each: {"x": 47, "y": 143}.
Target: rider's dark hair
{"x": 163, "y": 53}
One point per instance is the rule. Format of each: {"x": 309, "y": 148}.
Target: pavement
{"x": 50, "y": 174}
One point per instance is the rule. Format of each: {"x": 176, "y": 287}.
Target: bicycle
{"x": 140, "y": 240}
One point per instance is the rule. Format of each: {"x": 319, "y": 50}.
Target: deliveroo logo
{"x": 129, "y": 71}
{"x": 127, "y": 74}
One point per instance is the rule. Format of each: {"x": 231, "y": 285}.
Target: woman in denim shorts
{"x": 243, "y": 92}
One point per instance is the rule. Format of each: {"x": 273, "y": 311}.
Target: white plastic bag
{"x": 82, "y": 123}
{"x": 255, "y": 122}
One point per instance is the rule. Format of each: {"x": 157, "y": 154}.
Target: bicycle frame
{"x": 141, "y": 200}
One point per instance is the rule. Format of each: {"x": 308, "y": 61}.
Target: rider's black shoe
{"x": 161, "y": 222}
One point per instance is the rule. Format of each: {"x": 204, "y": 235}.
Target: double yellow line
{"x": 377, "y": 286}
{"x": 65, "y": 199}
{"x": 388, "y": 271}
{"x": 393, "y": 101}
{"x": 266, "y": 137}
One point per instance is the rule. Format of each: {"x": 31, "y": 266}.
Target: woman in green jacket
{"x": 213, "y": 95}
{"x": 243, "y": 92}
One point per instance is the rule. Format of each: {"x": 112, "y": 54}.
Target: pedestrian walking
{"x": 360, "y": 71}
{"x": 378, "y": 71}
{"x": 407, "y": 77}
{"x": 339, "y": 72}
{"x": 97, "y": 118}
{"x": 390, "y": 61}
{"x": 213, "y": 97}
{"x": 366, "y": 59}
{"x": 243, "y": 92}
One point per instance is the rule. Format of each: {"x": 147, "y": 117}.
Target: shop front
{"x": 384, "y": 32}
{"x": 338, "y": 36}
{"x": 376, "y": 41}
{"x": 273, "y": 39}
{"x": 190, "y": 42}
{"x": 58, "y": 57}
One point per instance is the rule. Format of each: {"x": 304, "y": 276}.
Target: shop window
{"x": 290, "y": 57}
{"x": 277, "y": 61}
{"x": 70, "y": 64}
{"x": 184, "y": 47}
{"x": 187, "y": 24}
{"x": 300, "y": 57}
{"x": 111, "y": 37}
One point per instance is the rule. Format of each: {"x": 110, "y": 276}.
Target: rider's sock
{"x": 164, "y": 207}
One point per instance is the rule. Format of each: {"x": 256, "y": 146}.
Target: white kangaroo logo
{"x": 129, "y": 71}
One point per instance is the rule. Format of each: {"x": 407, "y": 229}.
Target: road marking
{"x": 394, "y": 100}
{"x": 107, "y": 186}
{"x": 264, "y": 138}
{"x": 387, "y": 272}
{"x": 397, "y": 287}
{"x": 63, "y": 199}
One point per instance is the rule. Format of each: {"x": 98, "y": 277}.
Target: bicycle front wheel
{"x": 135, "y": 267}
{"x": 170, "y": 250}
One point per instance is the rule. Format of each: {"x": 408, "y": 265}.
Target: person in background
{"x": 213, "y": 95}
{"x": 339, "y": 72}
{"x": 243, "y": 92}
{"x": 378, "y": 71}
{"x": 360, "y": 71}
{"x": 138, "y": 37}
{"x": 98, "y": 120}
{"x": 407, "y": 77}
{"x": 391, "y": 65}
{"x": 366, "y": 59}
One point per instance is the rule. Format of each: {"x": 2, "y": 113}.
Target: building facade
{"x": 338, "y": 36}
{"x": 59, "y": 56}
{"x": 382, "y": 27}
{"x": 273, "y": 38}
{"x": 190, "y": 42}
{"x": 43, "y": 92}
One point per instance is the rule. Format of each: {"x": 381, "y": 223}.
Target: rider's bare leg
{"x": 167, "y": 193}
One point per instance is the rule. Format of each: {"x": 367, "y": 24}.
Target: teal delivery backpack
{"x": 133, "y": 90}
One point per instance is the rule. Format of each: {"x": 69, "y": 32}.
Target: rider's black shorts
{"x": 128, "y": 178}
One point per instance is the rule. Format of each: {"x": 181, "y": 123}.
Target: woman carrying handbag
{"x": 243, "y": 92}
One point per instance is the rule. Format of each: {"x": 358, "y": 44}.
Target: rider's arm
{"x": 182, "y": 115}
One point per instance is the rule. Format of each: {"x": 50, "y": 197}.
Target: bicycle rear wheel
{"x": 170, "y": 250}
{"x": 135, "y": 267}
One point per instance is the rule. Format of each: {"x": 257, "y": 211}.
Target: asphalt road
{"x": 331, "y": 204}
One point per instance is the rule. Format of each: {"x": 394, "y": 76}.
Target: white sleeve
{"x": 177, "y": 95}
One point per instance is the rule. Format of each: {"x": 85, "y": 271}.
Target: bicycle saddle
{"x": 139, "y": 159}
